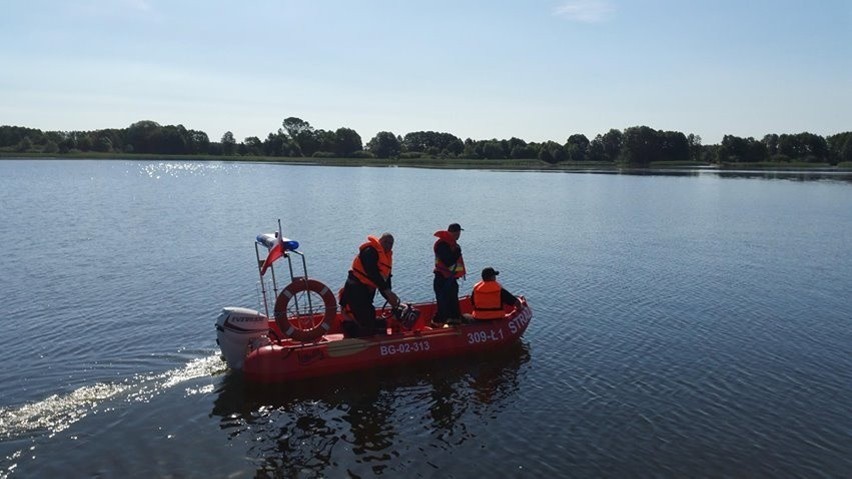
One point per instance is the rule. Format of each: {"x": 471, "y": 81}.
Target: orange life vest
{"x": 385, "y": 262}
{"x": 454, "y": 270}
{"x": 488, "y": 304}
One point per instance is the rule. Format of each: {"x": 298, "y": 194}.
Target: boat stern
{"x": 239, "y": 330}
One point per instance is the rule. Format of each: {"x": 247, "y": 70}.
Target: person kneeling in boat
{"x": 371, "y": 271}
{"x": 489, "y": 298}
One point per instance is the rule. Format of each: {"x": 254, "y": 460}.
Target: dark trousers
{"x": 447, "y": 296}
{"x": 359, "y": 298}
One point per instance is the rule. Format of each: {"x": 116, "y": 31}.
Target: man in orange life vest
{"x": 449, "y": 266}
{"x": 371, "y": 271}
{"x": 489, "y": 297}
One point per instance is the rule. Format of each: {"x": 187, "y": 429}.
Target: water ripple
{"x": 37, "y": 421}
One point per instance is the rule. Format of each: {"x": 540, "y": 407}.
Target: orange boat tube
{"x": 283, "y": 360}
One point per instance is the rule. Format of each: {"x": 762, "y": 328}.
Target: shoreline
{"x": 445, "y": 163}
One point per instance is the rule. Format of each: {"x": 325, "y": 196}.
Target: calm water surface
{"x": 684, "y": 326}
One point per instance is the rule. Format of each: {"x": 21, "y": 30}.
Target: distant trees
{"x": 197, "y": 141}
{"x": 694, "y": 144}
{"x": 642, "y": 145}
{"x": 301, "y": 135}
{"x": 612, "y": 142}
{"x": 520, "y": 150}
{"x": 734, "y": 149}
{"x": 802, "y": 147}
{"x": 551, "y": 152}
{"x": 144, "y": 137}
{"x": 141, "y": 137}
{"x": 229, "y": 144}
{"x": 771, "y": 142}
{"x": 302, "y": 139}
{"x": 346, "y": 142}
{"x": 805, "y": 147}
{"x": 577, "y": 147}
{"x": 296, "y": 126}
{"x": 840, "y": 147}
{"x": 492, "y": 150}
{"x": 637, "y": 146}
{"x": 545, "y": 155}
{"x": 385, "y": 145}
{"x": 24, "y": 145}
{"x": 14, "y": 135}
{"x": 251, "y": 146}
{"x": 432, "y": 143}
{"x": 607, "y": 147}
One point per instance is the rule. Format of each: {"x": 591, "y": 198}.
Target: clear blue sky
{"x": 536, "y": 69}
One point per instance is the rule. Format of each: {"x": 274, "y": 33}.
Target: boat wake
{"x": 41, "y": 420}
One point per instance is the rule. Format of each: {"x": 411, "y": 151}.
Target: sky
{"x": 533, "y": 69}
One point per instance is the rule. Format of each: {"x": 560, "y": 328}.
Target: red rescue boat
{"x": 301, "y": 342}
{"x": 272, "y": 358}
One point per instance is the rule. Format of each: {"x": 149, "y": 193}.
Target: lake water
{"x": 690, "y": 325}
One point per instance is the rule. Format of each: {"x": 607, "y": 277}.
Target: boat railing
{"x": 262, "y": 301}
{"x": 287, "y": 253}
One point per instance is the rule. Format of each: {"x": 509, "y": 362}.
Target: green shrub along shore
{"x": 298, "y": 142}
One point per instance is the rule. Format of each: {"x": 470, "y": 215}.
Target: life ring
{"x": 291, "y": 327}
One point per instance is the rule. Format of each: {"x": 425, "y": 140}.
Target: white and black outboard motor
{"x": 237, "y": 329}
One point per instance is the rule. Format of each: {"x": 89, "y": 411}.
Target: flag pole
{"x": 262, "y": 286}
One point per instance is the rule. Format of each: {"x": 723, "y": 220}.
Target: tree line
{"x": 636, "y": 146}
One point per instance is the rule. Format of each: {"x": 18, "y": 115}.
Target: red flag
{"x": 275, "y": 252}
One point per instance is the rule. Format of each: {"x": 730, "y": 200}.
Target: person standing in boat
{"x": 371, "y": 271}
{"x": 489, "y": 298}
{"x": 449, "y": 267}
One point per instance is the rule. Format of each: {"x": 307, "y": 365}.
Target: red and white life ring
{"x": 290, "y": 326}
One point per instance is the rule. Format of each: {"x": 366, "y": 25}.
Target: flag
{"x": 275, "y": 252}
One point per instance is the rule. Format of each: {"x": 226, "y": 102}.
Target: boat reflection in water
{"x": 369, "y": 422}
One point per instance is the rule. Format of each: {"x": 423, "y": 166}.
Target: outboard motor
{"x": 236, "y": 330}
